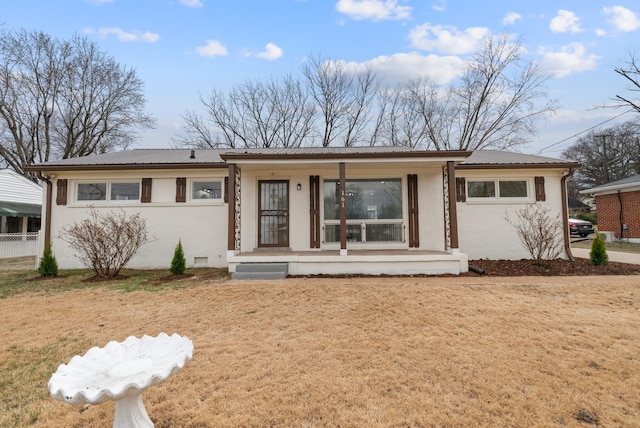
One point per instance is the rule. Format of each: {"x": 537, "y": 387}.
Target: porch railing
{"x": 18, "y": 250}
{"x": 366, "y": 231}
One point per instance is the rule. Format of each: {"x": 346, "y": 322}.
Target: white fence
{"x": 19, "y": 250}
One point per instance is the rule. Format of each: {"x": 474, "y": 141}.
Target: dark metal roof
{"x": 503, "y": 159}
{"x": 577, "y": 204}
{"x": 138, "y": 159}
{"x": 217, "y": 158}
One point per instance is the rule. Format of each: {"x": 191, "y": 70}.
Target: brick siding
{"x": 608, "y": 212}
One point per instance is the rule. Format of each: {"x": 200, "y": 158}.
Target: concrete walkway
{"x": 614, "y": 256}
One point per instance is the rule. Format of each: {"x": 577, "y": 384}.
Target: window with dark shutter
{"x": 146, "y": 190}
{"x": 181, "y": 189}
{"x": 61, "y": 196}
{"x": 461, "y": 189}
{"x": 540, "y": 192}
{"x": 226, "y": 190}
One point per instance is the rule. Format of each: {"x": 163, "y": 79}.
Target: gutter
{"x": 47, "y": 208}
{"x": 565, "y": 214}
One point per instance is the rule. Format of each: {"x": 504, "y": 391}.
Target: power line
{"x": 582, "y": 132}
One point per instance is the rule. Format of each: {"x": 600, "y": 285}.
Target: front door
{"x": 273, "y": 216}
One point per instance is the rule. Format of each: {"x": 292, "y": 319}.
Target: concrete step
{"x": 261, "y": 271}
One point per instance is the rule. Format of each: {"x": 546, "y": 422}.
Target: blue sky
{"x": 181, "y": 48}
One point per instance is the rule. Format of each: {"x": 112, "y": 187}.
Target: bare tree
{"x": 344, "y": 98}
{"x": 253, "y": 114}
{"x": 399, "y": 120}
{"x": 632, "y": 74}
{"x": 494, "y": 104}
{"x": 606, "y": 155}
{"x": 61, "y": 99}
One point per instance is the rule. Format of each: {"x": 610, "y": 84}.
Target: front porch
{"x": 371, "y": 262}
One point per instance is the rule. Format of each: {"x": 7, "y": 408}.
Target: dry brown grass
{"x": 386, "y": 352}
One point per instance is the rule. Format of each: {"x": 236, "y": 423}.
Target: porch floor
{"x": 321, "y": 253}
{"x": 366, "y": 262}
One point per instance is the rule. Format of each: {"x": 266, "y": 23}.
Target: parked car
{"x": 580, "y": 227}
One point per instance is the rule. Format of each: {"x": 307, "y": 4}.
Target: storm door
{"x": 273, "y": 216}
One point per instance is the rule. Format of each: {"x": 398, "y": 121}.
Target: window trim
{"x": 107, "y": 200}
{"x": 214, "y": 201}
{"x": 497, "y": 198}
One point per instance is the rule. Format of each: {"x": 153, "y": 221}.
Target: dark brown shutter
{"x": 461, "y": 189}
{"x": 226, "y": 190}
{"x": 414, "y": 232}
{"x": 61, "y": 196}
{"x": 540, "y": 193}
{"x": 146, "y": 190}
{"x": 314, "y": 211}
{"x": 181, "y": 189}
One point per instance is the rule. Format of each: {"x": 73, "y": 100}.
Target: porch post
{"x": 343, "y": 211}
{"x": 47, "y": 209}
{"x": 453, "y": 213}
{"x": 231, "y": 221}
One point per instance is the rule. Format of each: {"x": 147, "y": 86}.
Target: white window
{"x": 206, "y": 190}
{"x": 108, "y": 191}
{"x": 497, "y": 189}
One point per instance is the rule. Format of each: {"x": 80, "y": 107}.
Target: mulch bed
{"x": 577, "y": 267}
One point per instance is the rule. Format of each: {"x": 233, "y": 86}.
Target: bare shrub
{"x": 541, "y": 234}
{"x": 106, "y": 242}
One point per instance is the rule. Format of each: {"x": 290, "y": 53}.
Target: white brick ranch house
{"x": 373, "y": 210}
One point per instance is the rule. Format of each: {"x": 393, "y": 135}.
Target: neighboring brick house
{"x": 618, "y": 207}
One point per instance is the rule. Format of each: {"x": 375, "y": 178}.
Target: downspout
{"x": 565, "y": 214}
{"x": 47, "y": 208}
{"x": 621, "y": 216}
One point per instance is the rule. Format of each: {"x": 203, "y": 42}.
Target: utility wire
{"x": 582, "y": 132}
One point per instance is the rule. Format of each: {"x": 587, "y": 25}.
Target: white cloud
{"x": 124, "y": 36}
{"x": 565, "y": 22}
{"x": 572, "y": 58}
{"x": 601, "y": 32}
{"x": 376, "y": 10}
{"x": 622, "y": 18}
{"x": 211, "y": 49}
{"x": 440, "y": 5}
{"x": 403, "y": 66}
{"x": 271, "y": 52}
{"x": 192, "y": 3}
{"x": 511, "y": 18}
{"x": 447, "y": 39}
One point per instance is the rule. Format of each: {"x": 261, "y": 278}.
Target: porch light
{"x": 299, "y": 186}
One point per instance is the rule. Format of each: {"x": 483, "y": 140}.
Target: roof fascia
{"x": 549, "y": 165}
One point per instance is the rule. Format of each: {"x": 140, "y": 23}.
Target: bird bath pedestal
{"x": 121, "y": 371}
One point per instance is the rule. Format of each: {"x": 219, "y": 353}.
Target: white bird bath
{"x": 121, "y": 371}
